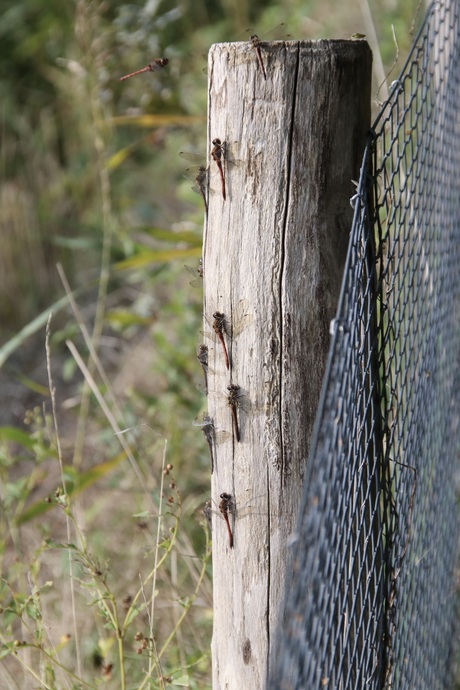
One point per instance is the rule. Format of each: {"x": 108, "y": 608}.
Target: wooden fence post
{"x": 273, "y": 258}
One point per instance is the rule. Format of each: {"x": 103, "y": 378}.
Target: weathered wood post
{"x": 273, "y": 256}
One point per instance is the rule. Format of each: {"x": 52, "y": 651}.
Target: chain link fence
{"x": 372, "y": 603}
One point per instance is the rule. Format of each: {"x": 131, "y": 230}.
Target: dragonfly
{"x": 220, "y": 156}
{"x": 197, "y": 273}
{"x": 212, "y": 435}
{"x": 224, "y": 329}
{"x": 207, "y": 512}
{"x": 202, "y": 357}
{"x": 227, "y": 509}
{"x": 207, "y": 427}
{"x": 219, "y": 328}
{"x": 234, "y": 403}
{"x": 153, "y": 66}
{"x": 218, "y": 153}
{"x": 224, "y": 509}
{"x": 257, "y": 43}
{"x": 225, "y": 506}
{"x": 200, "y": 177}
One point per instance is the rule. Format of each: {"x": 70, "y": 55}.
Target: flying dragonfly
{"x": 153, "y": 66}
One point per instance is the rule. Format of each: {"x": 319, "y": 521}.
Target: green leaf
{"x": 153, "y": 256}
{"x": 10, "y": 433}
{"x": 43, "y": 588}
{"x": 120, "y": 156}
{"x": 15, "y": 491}
{"x": 185, "y": 602}
{"x": 34, "y": 386}
{"x": 78, "y": 483}
{"x": 193, "y": 238}
{"x": 156, "y": 120}
{"x": 183, "y": 681}
{"x": 33, "y": 611}
{"x": 6, "y": 650}
{"x": 32, "y": 327}
{"x": 132, "y": 614}
{"x": 122, "y": 319}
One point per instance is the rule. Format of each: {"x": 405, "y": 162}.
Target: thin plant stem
{"x": 93, "y": 387}
{"x": 98, "y": 120}
{"x": 192, "y": 598}
{"x": 154, "y": 580}
{"x": 379, "y": 69}
{"x": 61, "y": 468}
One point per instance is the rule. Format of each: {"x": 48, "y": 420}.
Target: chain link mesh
{"x": 372, "y": 603}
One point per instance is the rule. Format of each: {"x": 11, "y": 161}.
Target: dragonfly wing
{"x": 197, "y": 158}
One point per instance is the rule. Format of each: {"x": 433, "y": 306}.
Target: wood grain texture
{"x": 273, "y": 253}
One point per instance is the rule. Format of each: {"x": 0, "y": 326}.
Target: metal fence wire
{"x": 372, "y": 600}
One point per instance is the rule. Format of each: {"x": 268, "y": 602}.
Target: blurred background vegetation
{"x": 91, "y": 182}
